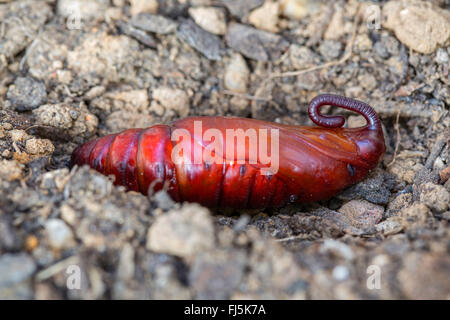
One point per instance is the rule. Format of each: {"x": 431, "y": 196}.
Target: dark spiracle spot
{"x": 159, "y": 169}
{"x": 207, "y": 166}
{"x": 242, "y": 170}
{"x": 351, "y": 169}
{"x": 96, "y": 163}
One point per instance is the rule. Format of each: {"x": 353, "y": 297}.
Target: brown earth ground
{"x": 74, "y": 70}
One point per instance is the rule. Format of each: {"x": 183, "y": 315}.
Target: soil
{"x": 74, "y": 70}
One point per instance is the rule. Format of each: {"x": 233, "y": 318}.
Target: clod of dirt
{"x": 364, "y": 214}
{"x": 209, "y": 18}
{"x": 206, "y": 43}
{"x": 39, "y": 147}
{"x": 302, "y": 57}
{"x": 375, "y": 189}
{"x": 103, "y": 55}
{"x": 17, "y": 135}
{"x": 10, "y": 170}
{"x": 172, "y": 99}
{"x": 216, "y": 274}
{"x": 153, "y": 23}
{"x": 163, "y": 200}
{"x": 55, "y": 180}
{"x": 406, "y": 168}
{"x": 254, "y": 43}
{"x": 401, "y": 201}
{"x": 331, "y": 49}
{"x": 26, "y": 94}
{"x": 425, "y": 276}
{"x": 124, "y": 109}
{"x": 76, "y": 121}
{"x": 418, "y": 24}
{"x": 89, "y": 194}
{"x": 182, "y": 232}
{"x": 435, "y": 196}
{"x": 273, "y": 273}
{"x": 23, "y": 20}
{"x": 334, "y": 223}
{"x": 415, "y": 215}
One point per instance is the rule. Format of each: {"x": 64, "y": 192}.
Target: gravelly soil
{"x": 74, "y": 70}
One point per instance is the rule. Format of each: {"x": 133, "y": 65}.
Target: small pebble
{"x": 18, "y": 135}
{"x": 140, "y": 35}
{"x": 64, "y": 76}
{"x": 206, "y": 43}
{"x": 153, "y": 23}
{"x": 7, "y": 126}
{"x": 441, "y": 56}
{"x": 444, "y": 174}
{"x": 265, "y": 17}
{"x": 416, "y": 214}
{"x": 422, "y": 28}
{"x": 336, "y": 28}
{"x": 15, "y": 268}
{"x": 182, "y": 232}
{"x": 10, "y": 170}
{"x": 209, "y": 18}
{"x": 36, "y": 146}
{"x": 341, "y": 273}
{"x": 330, "y": 49}
{"x": 6, "y": 153}
{"x": 94, "y": 92}
{"x": 68, "y": 214}
{"x": 298, "y": 9}
{"x": 239, "y": 8}
{"x": 390, "y": 226}
{"x": 84, "y": 9}
{"x": 255, "y": 44}
{"x": 362, "y": 213}
{"x": 26, "y": 94}
{"x": 435, "y": 196}
{"x": 367, "y": 81}
{"x": 31, "y": 242}
{"x": 337, "y": 247}
{"x": 236, "y": 74}
{"x": 302, "y": 57}
{"x": 59, "y": 235}
{"x": 172, "y": 99}
{"x": 9, "y": 236}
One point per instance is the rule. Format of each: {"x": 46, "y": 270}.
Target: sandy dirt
{"x": 72, "y": 70}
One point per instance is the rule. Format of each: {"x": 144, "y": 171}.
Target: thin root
{"x": 398, "y": 139}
